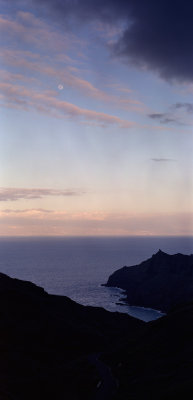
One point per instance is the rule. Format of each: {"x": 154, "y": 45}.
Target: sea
{"x": 78, "y": 266}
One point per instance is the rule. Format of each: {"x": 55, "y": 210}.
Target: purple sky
{"x": 96, "y": 117}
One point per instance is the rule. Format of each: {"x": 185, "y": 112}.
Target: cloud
{"x": 108, "y": 31}
{"x": 163, "y": 159}
{"x": 44, "y": 102}
{"x": 25, "y": 29}
{"x": 69, "y": 76}
{"x": 11, "y": 77}
{"x": 14, "y": 194}
{"x": 178, "y": 113}
{"x": 164, "y": 118}
{"x": 28, "y": 211}
{"x": 41, "y": 222}
{"x": 188, "y": 107}
{"x": 157, "y": 35}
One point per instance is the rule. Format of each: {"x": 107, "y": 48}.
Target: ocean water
{"x": 76, "y": 267}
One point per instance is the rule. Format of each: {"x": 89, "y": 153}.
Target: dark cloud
{"x": 188, "y": 107}
{"x": 161, "y": 38}
{"x": 163, "y": 118}
{"x": 13, "y": 194}
{"x": 167, "y": 120}
{"x": 156, "y": 116}
{"x": 158, "y": 35}
{"x": 163, "y": 159}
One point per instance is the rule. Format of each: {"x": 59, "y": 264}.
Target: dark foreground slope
{"x": 161, "y": 282}
{"x": 159, "y": 366}
{"x": 53, "y": 348}
{"x": 50, "y": 345}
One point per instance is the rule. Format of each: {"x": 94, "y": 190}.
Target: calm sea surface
{"x": 76, "y": 267}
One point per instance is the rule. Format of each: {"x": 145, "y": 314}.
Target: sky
{"x": 96, "y": 107}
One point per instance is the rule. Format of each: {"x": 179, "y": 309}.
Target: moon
{"x": 60, "y": 87}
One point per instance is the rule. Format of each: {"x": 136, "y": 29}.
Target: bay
{"x": 77, "y": 266}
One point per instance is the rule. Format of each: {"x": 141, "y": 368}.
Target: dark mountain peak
{"x": 160, "y": 253}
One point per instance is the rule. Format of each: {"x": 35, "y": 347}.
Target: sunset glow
{"x": 96, "y": 138}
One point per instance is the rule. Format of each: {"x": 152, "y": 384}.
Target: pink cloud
{"x": 29, "y": 211}
{"x": 11, "y": 77}
{"x": 13, "y": 194}
{"x": 27, "y": 29}
{"x": 68, "y": 77}
{"x": 47, "y": 222}
{"x": 42, "y": 102}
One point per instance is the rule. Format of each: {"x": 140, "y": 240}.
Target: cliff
{"x": 161, "y": 282}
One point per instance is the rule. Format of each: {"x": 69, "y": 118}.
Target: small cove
{"x": 77, "y": 267}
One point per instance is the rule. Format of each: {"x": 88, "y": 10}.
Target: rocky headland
{"x": 162, "y": 282}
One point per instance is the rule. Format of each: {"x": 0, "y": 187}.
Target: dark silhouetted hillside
{"x": 54, "y": 348}
{"x": 161, "y": 282}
